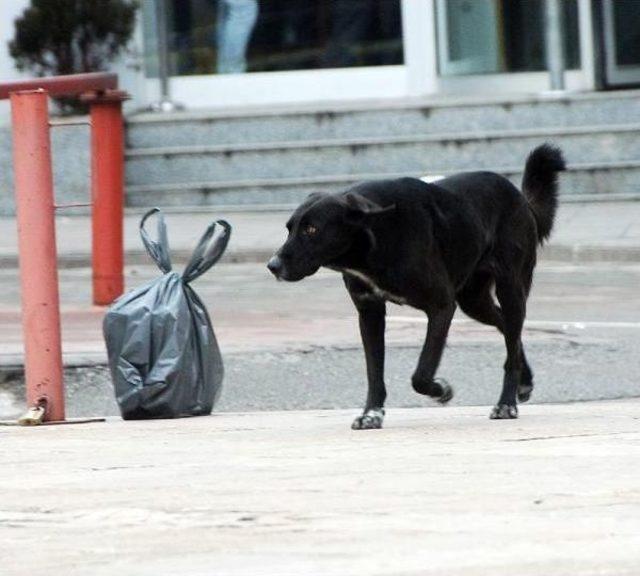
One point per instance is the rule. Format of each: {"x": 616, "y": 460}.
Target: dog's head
{"x": 322, "y": 230}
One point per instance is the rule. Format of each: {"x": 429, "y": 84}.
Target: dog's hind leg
{"x": 512, "y": 297}
{"x": 371, "y": 314}
{"x": 476, "y": 301}
{"x": 423, "y": 378}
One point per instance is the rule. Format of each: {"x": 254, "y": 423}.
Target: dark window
{"x": 234, "y": 36}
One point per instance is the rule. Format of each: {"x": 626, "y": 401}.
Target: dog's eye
{"x": 310, "y": 230}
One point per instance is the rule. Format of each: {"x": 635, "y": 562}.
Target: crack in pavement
{"x": 535, "y": 438}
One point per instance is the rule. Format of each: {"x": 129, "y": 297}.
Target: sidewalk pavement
{"x": 438, "y": 491}
{"x": 583, "y": 232}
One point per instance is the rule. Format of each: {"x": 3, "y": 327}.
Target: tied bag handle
{"x": 157, "y": 249}
{"x": 208, "y": 251}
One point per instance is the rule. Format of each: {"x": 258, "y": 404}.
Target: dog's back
{"x": 493, "y": 197}
{"x": 476, "y": 219}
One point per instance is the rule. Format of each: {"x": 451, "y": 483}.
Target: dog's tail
{"x": 540, "y": 186}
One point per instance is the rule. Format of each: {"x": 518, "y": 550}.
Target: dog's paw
{"x": 370, "y": 420}
{"x": 447, "y": 394}
{"x": 504, "y": 412}
{"x": 524, "y": 392}
{"x": 437, "y": 388}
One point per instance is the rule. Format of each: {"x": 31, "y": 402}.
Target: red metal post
{"x": 107, "y": 191}
{"x": 37, "y": 249}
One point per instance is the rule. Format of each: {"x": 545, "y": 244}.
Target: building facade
{"x": 264, "y": 52}
{"x": 352, "y": 87}
{"x": 234, "y": 53}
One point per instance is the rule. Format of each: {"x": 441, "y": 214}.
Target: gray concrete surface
{"x": 438, "y": 491}
{"x": 420, "y": 153}
{"x": 292, "y": 346}
{"x": 264, "y": 156}
{"x": 382, "y": 118}
{"x": 601, "y": 181}
{"x": 71, "y": 165}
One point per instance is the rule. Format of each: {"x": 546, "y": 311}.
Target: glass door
{"x": 621, "y": 19}
{"x": 500, "y": 36}
{"x": 224, "y": 53}
{"x": 249, "y": 36}
{"x": 467, "y": 36}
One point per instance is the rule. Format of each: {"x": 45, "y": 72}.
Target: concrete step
{"x": 422, "y": 154}
{"x": 601, "y": 181}
{"x": 381, "y": 119}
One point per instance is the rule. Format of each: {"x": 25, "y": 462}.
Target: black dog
{"x": 430, "y": 246}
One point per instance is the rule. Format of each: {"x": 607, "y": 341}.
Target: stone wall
{"x": 71, "y": 166}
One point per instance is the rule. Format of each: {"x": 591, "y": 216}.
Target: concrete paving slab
{"x": 251, "y": 311}
{"x": 438, "y": 491}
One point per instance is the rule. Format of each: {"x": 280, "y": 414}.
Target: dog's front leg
{"x": 371, "y": 313}
{"x": 423, "y": 379}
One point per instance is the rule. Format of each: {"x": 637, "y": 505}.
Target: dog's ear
{"x": 361, "y": 210}
{"x": 312, "y": 198}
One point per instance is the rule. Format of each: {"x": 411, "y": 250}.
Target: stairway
{"x": 277, "y": 156}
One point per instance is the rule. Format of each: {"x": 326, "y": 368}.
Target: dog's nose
{"x": 275, "y": 265}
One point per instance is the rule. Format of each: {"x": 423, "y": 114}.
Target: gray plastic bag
{"x": 163, "y": 354}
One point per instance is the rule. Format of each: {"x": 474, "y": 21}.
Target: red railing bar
{"x": 63, "y": 123}
{"x": 71, "y": 85}
{"x": 75, "y": 205}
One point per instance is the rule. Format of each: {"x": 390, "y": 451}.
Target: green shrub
{"x": 55, "y": 37}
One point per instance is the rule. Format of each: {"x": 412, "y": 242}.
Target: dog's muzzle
{"x": 275, "y": 266}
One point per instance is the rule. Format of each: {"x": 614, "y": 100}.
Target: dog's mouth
{"x": 285, "y": 274}
{"x": 291, "y": 276}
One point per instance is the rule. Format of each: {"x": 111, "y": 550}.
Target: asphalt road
{"x": 296, "y": 346}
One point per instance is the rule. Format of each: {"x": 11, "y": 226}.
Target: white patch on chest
{"x": 379, "y": 292}
{"x": 430, "y": 178}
